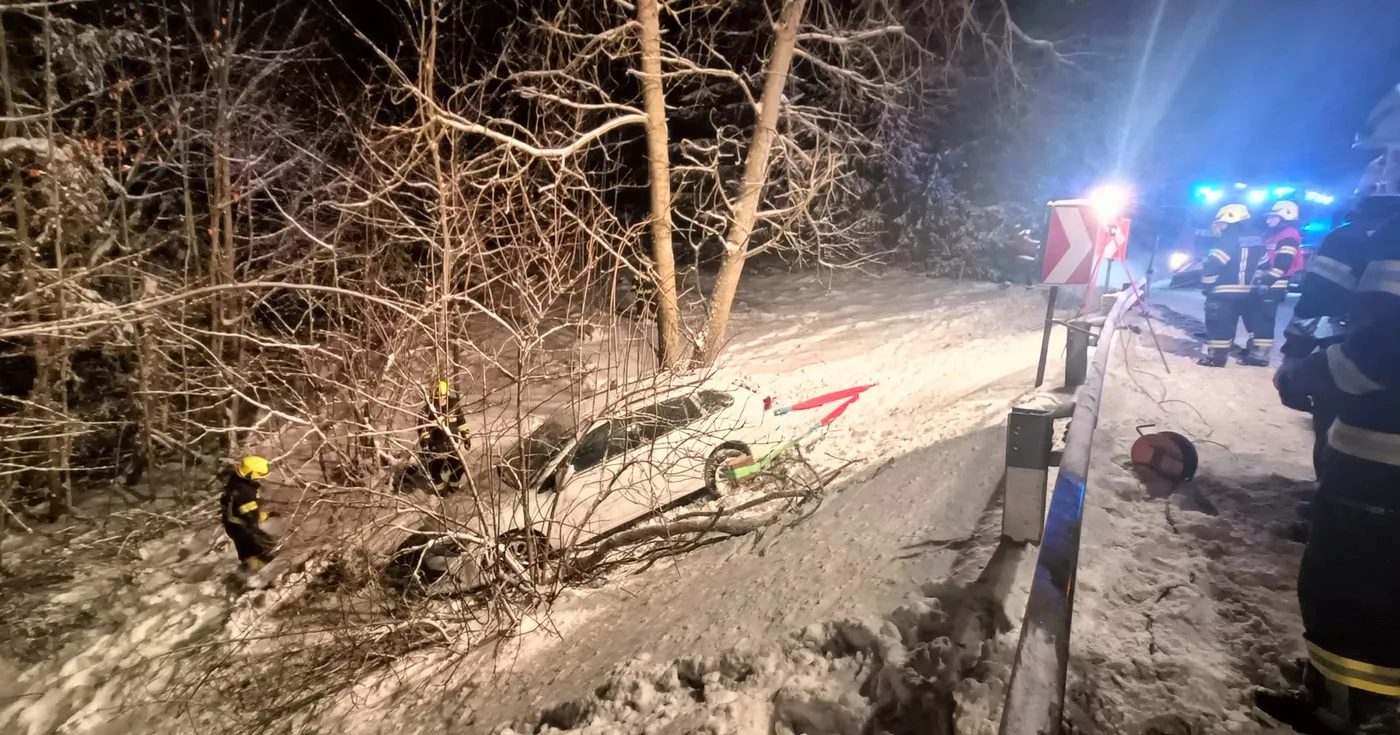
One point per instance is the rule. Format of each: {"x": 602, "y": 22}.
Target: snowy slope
{"x": 950, "y": 359}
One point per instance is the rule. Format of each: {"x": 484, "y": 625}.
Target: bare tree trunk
{"x": 192, "y": 266}
{"x": 61, "y": 448}
{"x": 221, "y": 255}
{"x": 29, "y": 276}
{"x": 137, "y": 283}
{"x": 736, "y": 243}
{"x": 662, "y": 256}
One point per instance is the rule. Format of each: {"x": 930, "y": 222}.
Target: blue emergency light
{"x": 1213, "y": 194}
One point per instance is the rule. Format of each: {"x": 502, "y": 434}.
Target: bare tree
{"x": 659, "y": 161}
{"x": 736, "y": 242}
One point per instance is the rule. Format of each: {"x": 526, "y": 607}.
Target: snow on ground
{"x": 1186, "y": 596}
{"x": 950, "y": 360}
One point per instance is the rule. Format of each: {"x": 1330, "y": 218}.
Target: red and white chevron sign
{"x": 1071, "y": 245}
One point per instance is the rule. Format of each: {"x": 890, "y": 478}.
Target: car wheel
{"x": 716, "y": 484}
{"x": 529, "y": 548}
{"x": 420, "y": 560}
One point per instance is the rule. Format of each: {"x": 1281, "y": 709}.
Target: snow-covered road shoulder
{"x": 1186, "y": 595}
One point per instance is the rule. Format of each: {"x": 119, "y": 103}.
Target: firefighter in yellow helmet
{"x": 242, "y": 514}
{"x": 437, "y": 439}
{"x": 1226, "y": 279}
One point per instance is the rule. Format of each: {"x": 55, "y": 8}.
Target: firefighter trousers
{"x": 251, "y": 542}
{"x": 1261, "y": 318}
{"x": 1322, "y": 418}
{"x": 444, "y": 470}
{"x": 1223, "y": 315}
{"x": 1348, "y": 589}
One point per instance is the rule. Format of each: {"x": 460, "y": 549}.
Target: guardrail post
{"x": 1028, "y": 437}
{"x": 1076, "y": 353}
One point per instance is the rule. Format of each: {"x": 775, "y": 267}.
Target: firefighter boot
{"x": 1215, "y": 357}
{"x": 1373, "y": 714}
{"x": 1305, "y": 709}
{"x": 1256, "y": 356}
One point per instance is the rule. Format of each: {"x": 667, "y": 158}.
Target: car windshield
{"x": 536, "y": 450}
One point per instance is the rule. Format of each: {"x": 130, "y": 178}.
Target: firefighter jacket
{"x": 436, "y": 436}
{"x": 1360, "y": 377}
{"x": 1228, "y": 271}
{"x": 239, "y": 503}
{"x": 1332, "y": 274}
{"x": 1281, "y": 260}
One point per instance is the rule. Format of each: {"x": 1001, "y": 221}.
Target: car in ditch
{"x": 573, "y": 480}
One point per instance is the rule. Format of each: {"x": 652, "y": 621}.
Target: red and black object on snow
{"x": 1167, "y": 453}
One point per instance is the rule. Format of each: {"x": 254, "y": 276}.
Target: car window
{"x": 605, "y": 440}
{"x": 713, "y": 401}
{"x": 656, "y": 420}
{"x": 535, "y": 452}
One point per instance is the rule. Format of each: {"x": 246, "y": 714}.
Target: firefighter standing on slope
{"x": 242, "y": 514}
{"x": 1281, "y": 262}
{"x": 437, "y": 440}
{"x": 1226, "y": 280}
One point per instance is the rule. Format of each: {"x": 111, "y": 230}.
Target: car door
{"x": 579, "y": 483}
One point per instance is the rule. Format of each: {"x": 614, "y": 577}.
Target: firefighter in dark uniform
{"x": 1281, "y": 260}
{"x": 1348, "y": 588}
{"x": 1324, "y": 303}
{"x": 1226, "y": 280}
{"x": 437, "y": 440}
{"x": 242, "y": 514}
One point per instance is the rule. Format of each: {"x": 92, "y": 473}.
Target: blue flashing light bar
{"x": 1209, "y": 194}
{"x": 1241, "y": 186}
{"x": 1257, "y": 196}
{"x": 1283, "y": 191}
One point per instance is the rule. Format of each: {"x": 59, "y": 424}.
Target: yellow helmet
{"x": 253, "y": 468}
{"x": 443, "y": 391}
{"x": 1232, "y": 213}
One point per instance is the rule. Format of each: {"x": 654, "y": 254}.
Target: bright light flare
{"x": 1214, "y": 195}
{"x": 1177, "y": 261}
{"x": 1258, "y": 196}
{"x": 1283, "y": 191}
{"x": 1110, "y": 200}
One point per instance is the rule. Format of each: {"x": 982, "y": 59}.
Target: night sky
{"x": 1260, "y": 89}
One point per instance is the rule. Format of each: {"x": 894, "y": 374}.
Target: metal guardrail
{"x": 1035, "y": 696}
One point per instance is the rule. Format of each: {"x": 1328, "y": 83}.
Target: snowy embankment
{"x": 1185, "y": 600}
{"x": 138, "y": 621}
{"x": 1186, "y": 596}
